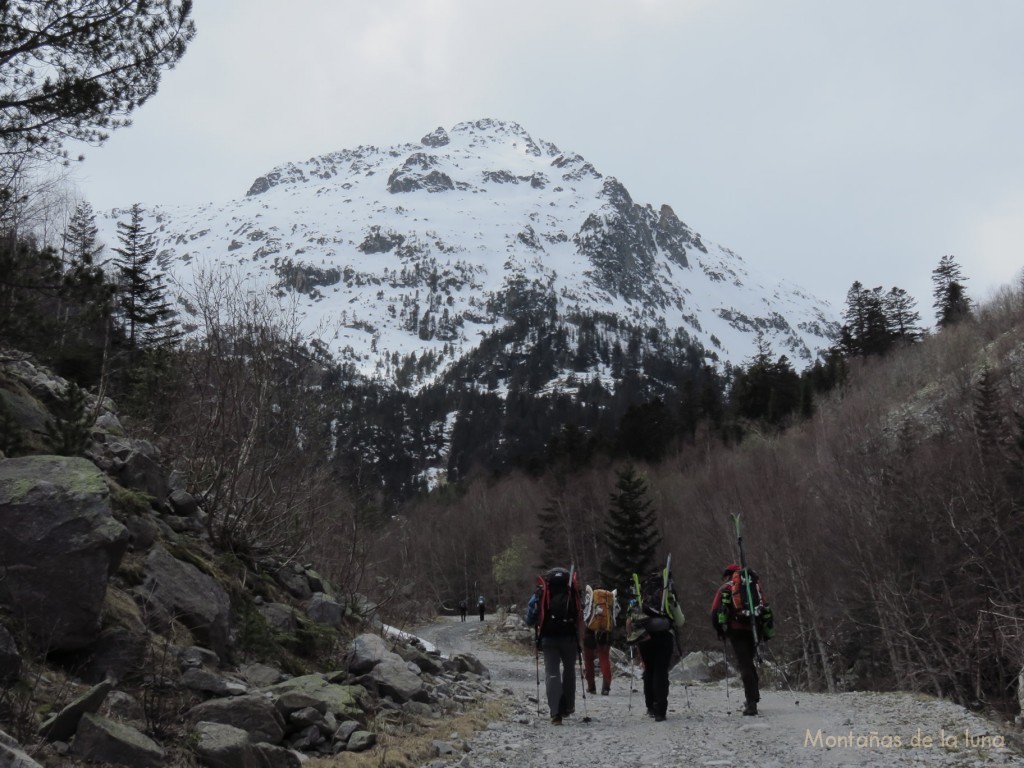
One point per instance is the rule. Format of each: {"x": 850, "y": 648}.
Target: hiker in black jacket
{"x": 556, "y": 613}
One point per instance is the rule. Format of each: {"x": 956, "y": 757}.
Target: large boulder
{"x": 396, "y": 680}
{"x": 254, "y": 714}
{"x": 369, "y": 650}
{"x": 60, "y": 545}
{"x": 224, "y": 746}
{"x": 345, "y": 702}
{"x": 190, "y": 596}
{"x": 100, "y": 740}
{"x": 62, "y": 725}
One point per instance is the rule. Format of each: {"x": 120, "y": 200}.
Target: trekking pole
{"x": 785, "y": 679}
{"x": 583, "y": 683}
{"x": 725, "y": 657}
{"x": 631, "y": 679}
{"x": 536, "y": 660}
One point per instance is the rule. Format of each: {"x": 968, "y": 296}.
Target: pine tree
{"x": 951, "y": 302}
{"x": 75, "y": 70}
{"x": 630, "y": 536}
{"x": 86, "y": 293}
{"x": 67, "y": 432}
{"x": 902, "y": 317}
{"x": 144, "y": 310}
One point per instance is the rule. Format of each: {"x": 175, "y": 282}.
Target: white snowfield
{"x": 704, "y": 726}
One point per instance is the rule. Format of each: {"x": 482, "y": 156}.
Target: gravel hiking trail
{"x": 705, "y": 728}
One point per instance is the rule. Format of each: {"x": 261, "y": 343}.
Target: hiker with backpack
{"x": 481, "y": 606}
{"x": 653, "y": 626}
{"x": 740, "y": 613}
{"x": 462, "y": 609}
{"x": 600, "y": 612}
{"x": 555, "y": 613}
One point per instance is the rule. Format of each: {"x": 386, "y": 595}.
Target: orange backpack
{"x": 601, "y": 614}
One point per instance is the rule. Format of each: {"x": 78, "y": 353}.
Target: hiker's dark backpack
{"x": 555, "y": 606}
{"x": 741, "y": 606}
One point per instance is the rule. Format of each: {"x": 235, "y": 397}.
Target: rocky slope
{"x": 127, "y": 637}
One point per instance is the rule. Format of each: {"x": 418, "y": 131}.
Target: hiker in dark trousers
{"x": 462, "y": 609}
{"x": 652, "y": 627}
{"x": 555, "y": 611}
{"x": 731, "y": 621}
{"x": 481, "y": 606}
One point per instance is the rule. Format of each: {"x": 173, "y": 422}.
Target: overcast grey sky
{"x": 823, "y": 141}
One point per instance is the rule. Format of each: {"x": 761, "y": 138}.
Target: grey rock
{"x": 12, "y": 757}
{"x": 303, "y": 718}
{"x": 259, "y": 675}
{"x": 324, "y": 610}
{"x": 60, "y": 546}
{"x": 143, "y": 531}
{"x": 101, "y": 740}
{"x": 62, "y": 726}
{"x": 315, "y": 581}
{"x": 467, "y": 662}
{"x": 369, "y": 650}
{"x": 295, "y": 584}
{"x": 204, "y": 681}
{"x": 197, "y": 656}
{"x": 397, "y": 681}
{"x": 184, "y": 503}
{"x": 419, "y": 709}
{"x": 117, "y": 654}
{"x": 279, "y": 616}
{"x": 254, "y": 714}
{"x": 424, "y": 661}
{"x": 270, "y": 756}
{"x": 360, "y": 741}
{"x": 192, "y": 597}
{"x": 141, "y": 472}
{"x": 293, "y": 701}
{"x": 219, "y": 745}
{"x": 307, "y": 739}
{"x": 345, "y": 730}
{"x": 343, "y": 701}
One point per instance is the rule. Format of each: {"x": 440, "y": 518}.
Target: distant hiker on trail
{"x": 653, "y": 627}
{"x": 556, "y": 614}
{"x": 733, "y": 617}
{"x": 600, "y": 610}
{"x": 462, "y": 609}
{"x": 481, "y": 606}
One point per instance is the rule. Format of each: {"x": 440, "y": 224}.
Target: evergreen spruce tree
{"x": 902, "y": 317}
{"x": 67, "y": 433}
{"x": 630, "y": 536}
{"x": 145, "y": 313}
{"x": 951, "y": 302}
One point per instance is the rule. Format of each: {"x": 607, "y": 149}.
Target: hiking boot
{"x": 751, "y": 708}
{"x": 659, "y": 718}
{"x": 605, "y": 688}
{"x": 591, "y": 689}
{"x": 650, "y": 712}
{"x": 556, "y": 720}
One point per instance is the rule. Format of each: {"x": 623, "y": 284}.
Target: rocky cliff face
{"x": 414, "y": 249}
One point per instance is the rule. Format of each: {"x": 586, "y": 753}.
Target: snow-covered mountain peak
{"x": 428, "y": 247}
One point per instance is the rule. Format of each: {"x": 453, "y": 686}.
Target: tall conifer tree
{"x": 631, "y": 536}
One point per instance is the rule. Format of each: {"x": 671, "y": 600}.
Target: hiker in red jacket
{"x": 733, "y": 618}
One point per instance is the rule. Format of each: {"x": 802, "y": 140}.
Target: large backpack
{"x": 599, "y": 609}
{"x": 555, "y": 606}
{"x": 743, "y": 604}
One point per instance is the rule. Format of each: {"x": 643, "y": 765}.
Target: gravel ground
{"x": 704, "y": 727}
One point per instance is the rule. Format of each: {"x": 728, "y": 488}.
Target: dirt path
{"x": 704, "y": 727}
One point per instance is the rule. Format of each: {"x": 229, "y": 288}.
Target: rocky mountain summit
{"x": 128, "y": 636}
{"x": 430, "y": 247}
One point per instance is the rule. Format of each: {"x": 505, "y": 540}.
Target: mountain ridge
{"x": 426, "y": 247}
